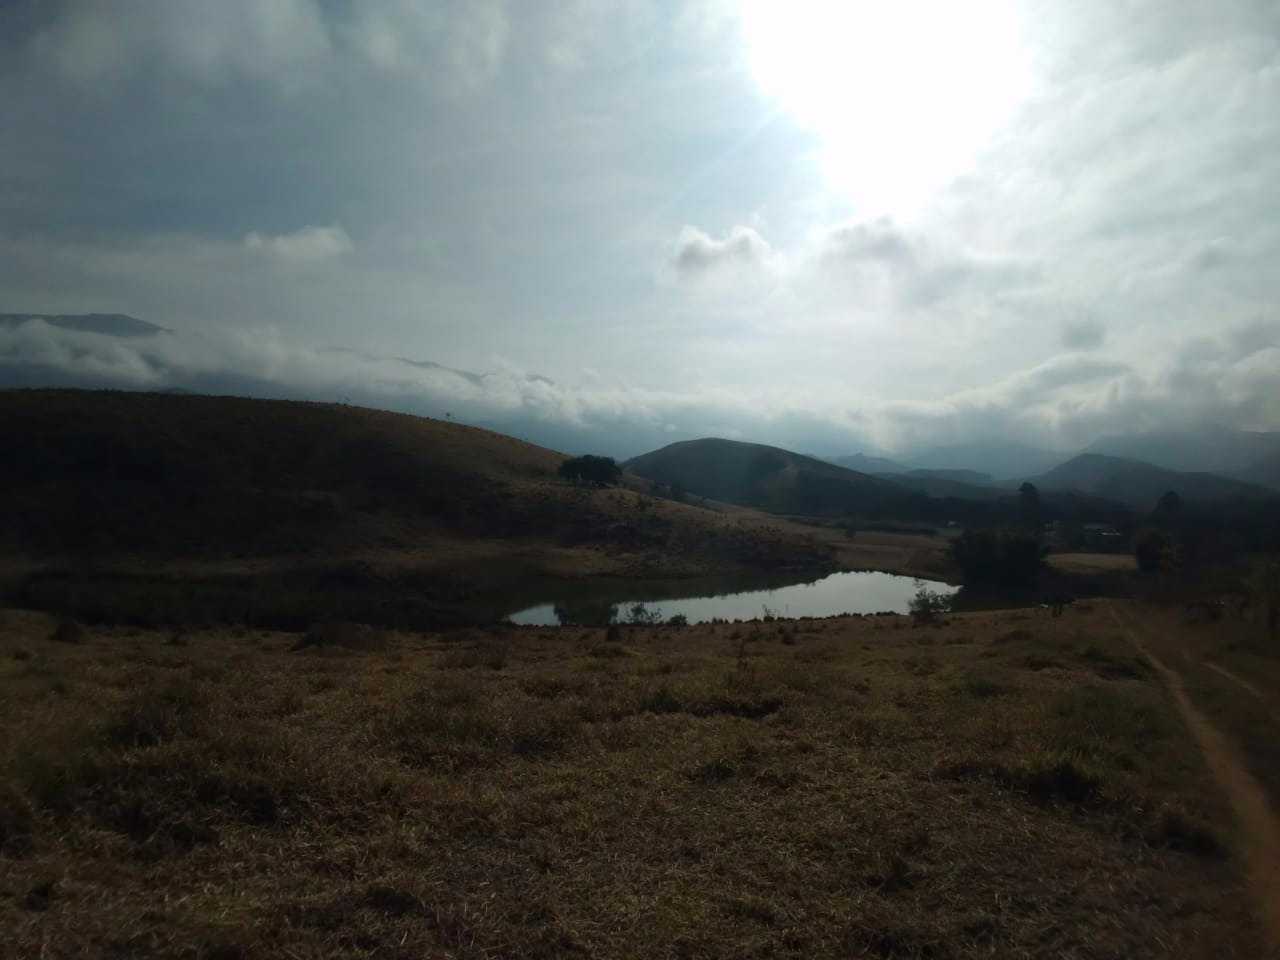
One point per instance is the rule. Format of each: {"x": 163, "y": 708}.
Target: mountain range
{"x": 107, "y": 324}
{"x": 1139, "y": 485}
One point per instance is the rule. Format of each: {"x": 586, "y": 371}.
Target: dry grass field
{"x": 1089, "y": 563}
{"x": 997, "y": 785}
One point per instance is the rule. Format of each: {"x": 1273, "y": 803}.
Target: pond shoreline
{"x": 741, "y": 597}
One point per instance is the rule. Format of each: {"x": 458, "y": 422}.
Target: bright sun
{"x": 902, "y": 93}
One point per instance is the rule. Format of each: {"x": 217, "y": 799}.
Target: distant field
{"x": 1000, "y": 785}
{"x": 1092, "y": 562}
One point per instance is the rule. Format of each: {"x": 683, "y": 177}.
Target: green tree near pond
{"x": 1000, "y": 558}
{"x": 603, "y": 471}
{"x": 927, "y": 605}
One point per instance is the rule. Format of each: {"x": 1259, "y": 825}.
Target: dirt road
{"x": 1258, "y": 828}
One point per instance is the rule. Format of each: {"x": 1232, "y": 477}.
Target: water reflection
{"x": 595, "y": 603}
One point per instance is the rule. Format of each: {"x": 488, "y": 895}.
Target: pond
{"x": 598, "y": 602}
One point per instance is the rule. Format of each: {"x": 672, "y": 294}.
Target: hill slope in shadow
{"x": 188, "y": 488}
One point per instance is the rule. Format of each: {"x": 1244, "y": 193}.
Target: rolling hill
{"x": 263, "y": 495}
{"x": 1140, "y": 484}
{"x": 768, "y": 478}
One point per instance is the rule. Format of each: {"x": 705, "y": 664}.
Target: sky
{"x": 833, "y": 226}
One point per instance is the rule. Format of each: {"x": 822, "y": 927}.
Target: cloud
{"x": 1083, "y": 333}
{"x": 458, "y": 49}
{"x": 454, "y": 49}
{"x": 1064, "y": 402}
{"x": 517, "y": 176}
{"x": 918, "y": 271}
{"x": 697, "y": 255}
{"x": 96, "y": 41}
{"x": 307, "y": 245}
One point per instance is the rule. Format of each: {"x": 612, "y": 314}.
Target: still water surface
{"x": 862, "y": 592}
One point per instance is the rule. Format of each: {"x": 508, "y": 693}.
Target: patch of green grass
{"x": 1106, "y": 726}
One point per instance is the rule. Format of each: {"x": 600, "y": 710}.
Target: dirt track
{"x": 1259, "y": 831}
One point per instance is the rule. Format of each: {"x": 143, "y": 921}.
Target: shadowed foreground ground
{"x": 1002, "y": 785}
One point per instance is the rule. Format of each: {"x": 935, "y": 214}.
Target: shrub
{"x": 926, "y": 604}
{"x": 678, "y": 620}
{"x": 641, "y": 615}
{"x": 68, "y": 631}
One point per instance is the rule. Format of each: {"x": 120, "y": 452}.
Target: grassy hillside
{"x": 999, "y": 785}
{"x": 769, "y": 478}
{"x": 268, "y": 506}
{"x": 1140, "y": 484}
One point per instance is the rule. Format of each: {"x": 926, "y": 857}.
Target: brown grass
{"x": 834, "y": 788}
{"x": 1088, "y": 563}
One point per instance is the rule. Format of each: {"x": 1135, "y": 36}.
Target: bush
{"x": 927, "y": 604}
{"x": 68, "y": 631}
{"x": 641, "y": 615}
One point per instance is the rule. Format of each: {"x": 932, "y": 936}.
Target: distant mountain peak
{"x": 109, "y": 324}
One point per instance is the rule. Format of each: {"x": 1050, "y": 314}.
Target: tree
{"x": 1154, "y": 552}
{"x": 1029, "y": 505}
{"x": 1003, "y": 559}
{"x": 601, "y": 471}
{"x": 1168, "y": 508}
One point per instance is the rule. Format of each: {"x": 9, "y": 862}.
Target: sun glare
{"x": 902, "y": 93}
